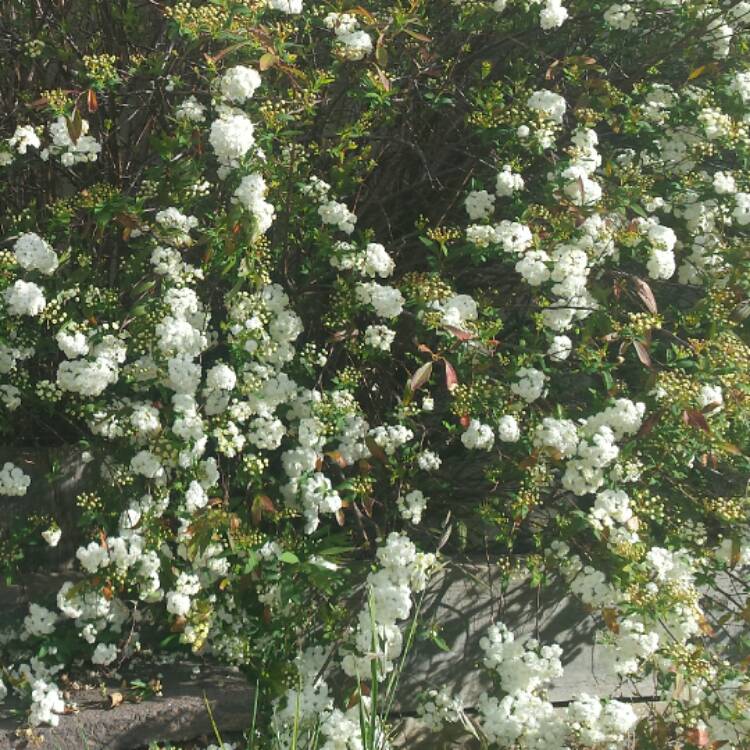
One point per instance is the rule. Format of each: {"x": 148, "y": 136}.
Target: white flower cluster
{"x": 24, "y": 298}
{"x": 412, "y": 505}
{"x": 251, "y": 194}
{"x": 175, "y": 226}
{"x": 33, "y": 253}
{"x": 478, "y": 436}
{"x": 71, "y": 151}
{"x": 403, "y": 571}
{"x": 13, "y": 481}
{"x": 353, "y": 43}
{"x": 238, "y": 84}
{"x": 232, "y": 136}
{"x": 520, "y": 666}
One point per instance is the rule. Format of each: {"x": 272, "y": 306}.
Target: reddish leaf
{"x": 460, "y": 334}
{"x": 648, "y": 424}
{"x": 261, "y": 504}
{"x": 337, "y": 458}
{"x": 642, "y": 352}
{"x": 465, "y": 421}
{"x": 610, "y": 619}
{"x": 91, "y": 101}
{"x": 695, "y": 419}
{"x": 420, "y": 377}
{"x": 697, "y": 736}
{"x": 451, "y": 378}
{"x": 643, "y": 290}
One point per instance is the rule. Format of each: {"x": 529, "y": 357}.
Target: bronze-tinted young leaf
{"x": 648, "y": 424}
{"x": 337, "y": 458}
{"x": 643, "y": 290}
{"x": 420, "y": 377}
{"x": 642, "y": 352}
{"x": 459, "y": 333}
{"x": 375, "y": 450}
{"x": 74, "y": 125}
{"x": 91, "y": 101}
{"x": 610, "y": 619}
{"x": 451, "y": 377}
{"x": 694, "y": 418}
{"x": 262, "y": 504}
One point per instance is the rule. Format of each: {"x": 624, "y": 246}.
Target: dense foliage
{"x": 317, "y": 285}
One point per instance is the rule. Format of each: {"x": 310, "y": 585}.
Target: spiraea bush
{"x": 327, "y": 291}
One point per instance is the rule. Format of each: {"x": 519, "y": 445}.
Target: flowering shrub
{"x": 317, "y": 286}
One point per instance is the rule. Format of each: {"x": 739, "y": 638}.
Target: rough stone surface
{"x": 179, "y": 714}
{"x": 466, "y": 600}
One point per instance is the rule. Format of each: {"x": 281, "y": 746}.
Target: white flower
{"x": 661, "y": 264}
{"x": 711, "y": 395}
{"x": 239, "y": 83}
{"x": 35, "y": 254}
{"x": 231, "y": 137}
{"x": 52, "y": 536}
{"x": 533, "y": 267}
{"x": 178, "y": 603}
{"x": 176, "y": 225}
{"x": 221, "y": 377}
{"x": 336, "y": 213}
{"x": 104, "y": 653}
{"x": 560, "y": 348}
{"x": 72, "y": 344}
{"x": 412, "y": 506}
{"x": 508, "y": 182}
{"x": 620, "y": 16}
{"x": 10, "y": 396}
{"x": 93, "y": 557}
{"x": 13, "y": 481}
{"x": 478, "y": 436}
{"x": 23, "y": 137}
{"x": 428, "y": 461}
{"x": 550, "y": 105}
{"x": 24, "y": 298}
{"x": 191, "y": 110}
{"x": 741, "y": 212}
{"x": 479, "y": 204}
{"x": 293, "y": 7}
{"x": 84, "y": 149}
{"x": 553, "y": 15}
{"x": 195, "y": 497}
{"x": 39, "y": 621}
{"x": 458, "y": 310}
{"x": 379, "y": 337}
{"x": 147, "y": 464}
{"x": 507, "y": 429}
{"x": 387, "y": 301}
{"x": 530, "y": 384}
{"x": 724, "y": 184}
